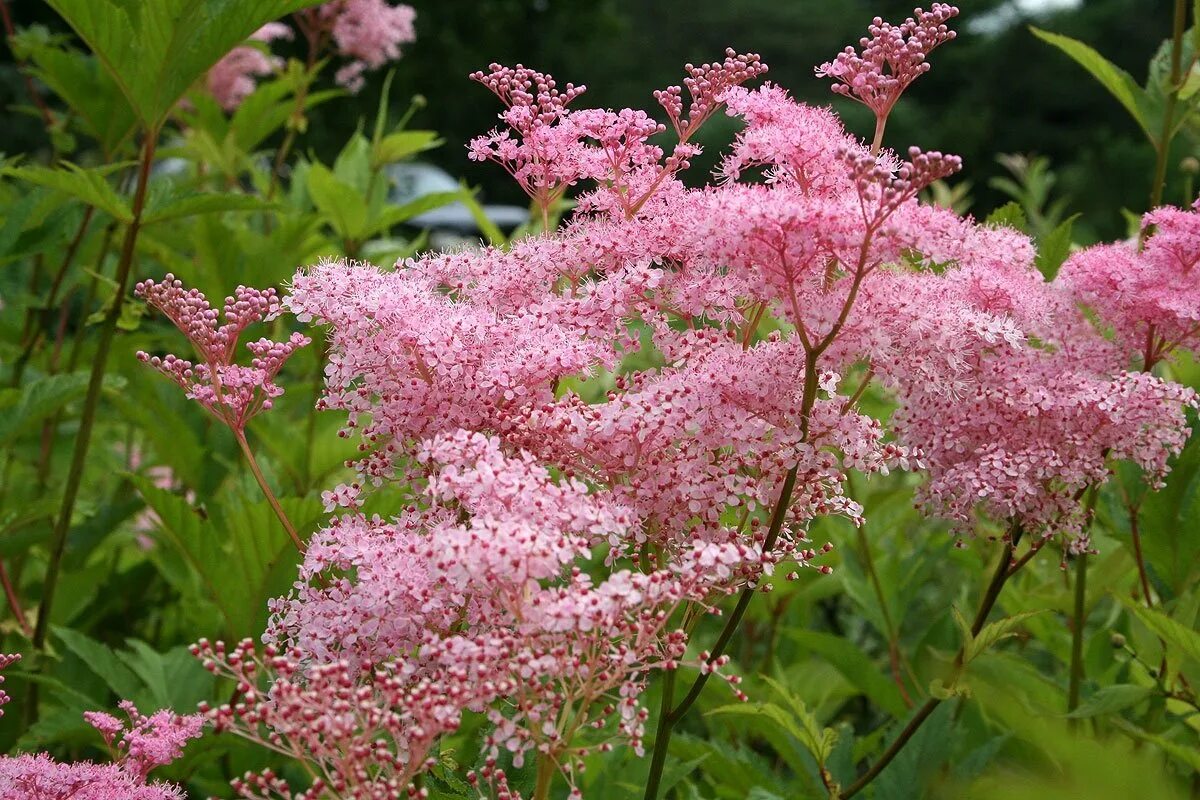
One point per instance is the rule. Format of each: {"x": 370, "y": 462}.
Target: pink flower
{"x": 369, "y": 33}
{"x": 231, "y": 392}
{"x": 891, "y": 59}
{"x": 231, "y": 79}
{"x": 146, "y": 743}
{"x": 1149, "y": 296}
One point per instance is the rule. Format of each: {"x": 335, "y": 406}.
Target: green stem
{"x": 893, "y": 636}
{"x": 1136, "y": 535}
{"x": 91, "y": 402}
{"x": 1078, "y": 622}
{"x": 668, "y": 721}
{"x": 659, "y": 758}
{"x": 266, "y": 489}
{"x": 986, "y": 603}
{"x": 545, "y": 776}
{"x": 1162, "y": 147}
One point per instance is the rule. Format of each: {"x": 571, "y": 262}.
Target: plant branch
{"x": 266, "y": 489}
{"x": 92, "y": 400}
{"x": 986, "y": 603}
{"x": 14, "y": 602}
{"x": 1162, "y": 147}
{"x": 668, "y": 720}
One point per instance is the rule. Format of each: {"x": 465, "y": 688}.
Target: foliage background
{"x": 127, "y": 614}
{"x": 996, "y": 92}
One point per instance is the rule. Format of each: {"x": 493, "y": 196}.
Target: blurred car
{"x": 413, "y": 180}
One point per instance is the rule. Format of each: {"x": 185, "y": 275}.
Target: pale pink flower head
{"x": 370, "y": 33}
{"x": 707, "y": 86}
{"x": 232, "y": 79}
{"x": 145, "y": 742}
{"x": 137, "y": 747}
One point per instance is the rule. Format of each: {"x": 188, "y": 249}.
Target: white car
{"x": 412, "y": 180}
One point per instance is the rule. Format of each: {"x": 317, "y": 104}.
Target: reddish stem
{"x": 14, "y": 602}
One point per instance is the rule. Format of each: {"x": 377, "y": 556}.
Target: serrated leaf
{"x": 1009, "y": 215}
{"x": 87, "y": 90}
{"x": 176, "y": 207}
{"x": 994, "y": 632}
{"x": 1116, "y": 80}
{"x": 35, "y": 401}
{"x": 1110, "y": 699}
{"x": 87, "y": 185}
{"x": 101, "y": 660}
{"x": 1177, "y": 636}
{"x": 795, "y": 719}
{"x": 155, "y": 51}
{"x": 237, "y": 558}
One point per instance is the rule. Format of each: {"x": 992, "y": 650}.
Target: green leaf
{"x": 395, "y": 215}
{"x": 855, "y": 667}
{"x": 403, "y": 144}
{"x": 85, "y": 87}
{"x": 1185, "y": 754}
{"x": 154, "y": 51}
{"x": 101, "y": 660}
{"x": 1119, "y": 82}
{"x": 188, "y": 205}
{"x": 237, "y": 559}
{"x": 491, "y": 231}
{"x": 1054, "y": 248}
{"x": 1009, "y": 215}
{"x": 340, "y": 203}
{"x": 175, "y": 679}
{"x": 21, "y": 409}
{"x": 994, "y": 632}
{"x": 1178, "y": 636}
{"x": 87, "y": 185}
{"x": 1111, "y": 699}
{"x": 794, "y": 719}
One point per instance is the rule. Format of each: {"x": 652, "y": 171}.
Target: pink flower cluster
{"x": 474, "y": 600}
{"x": 890, "y": 59}
{"x": 369, "y": 33}
{"x": 548, "y": 148}
{"x": 1149, "y": 295}
{"x": 601, "y": 431}
{"x": 140, "y": 746}
{"x": 6, "y": 661}
{"x": 232, "y": 79}
{"x": 231, "y": 392}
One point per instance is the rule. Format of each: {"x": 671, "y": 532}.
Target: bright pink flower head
{"x": 1150, "y": 297}
{"x": 233, "y": 393}
{"x": 39, "y": 777}
{"x": 138, "y": 747}
{"x": 890, "y": 59}
{"x": 231, "y": 79}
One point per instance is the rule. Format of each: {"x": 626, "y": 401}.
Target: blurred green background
{"x": 996, "y": 90}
